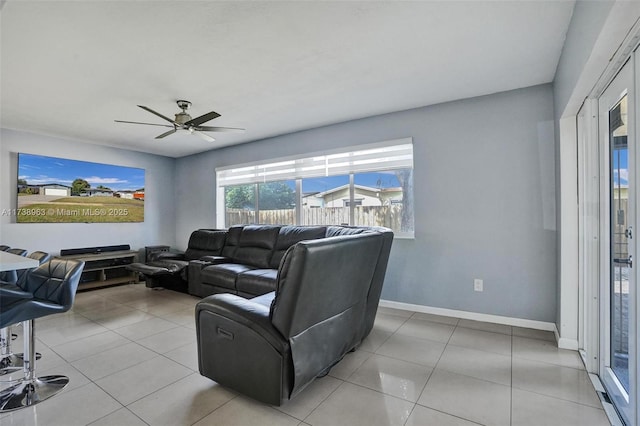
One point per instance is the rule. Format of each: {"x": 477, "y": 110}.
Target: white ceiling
{"x": 70, "y": 68}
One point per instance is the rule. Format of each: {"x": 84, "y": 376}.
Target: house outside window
{"x": 369, "y": 185}
{"x": 348, "y": 203}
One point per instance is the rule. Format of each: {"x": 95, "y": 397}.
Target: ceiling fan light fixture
{"x": 183, "y": 121}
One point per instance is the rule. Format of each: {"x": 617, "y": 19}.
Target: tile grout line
{"x": 167, "y": 385}
{"x": 341, "y": 382}
{"x": 123, "y": 408}
{"x": 345, "y": 380}
{"x": 431, "y": 374}
{"x": 157, "y": 354}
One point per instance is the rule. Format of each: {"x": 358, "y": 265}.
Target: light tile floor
{"x": 131, "y": 355}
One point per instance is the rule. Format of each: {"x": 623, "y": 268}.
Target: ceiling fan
{"x": 183, "y": 121}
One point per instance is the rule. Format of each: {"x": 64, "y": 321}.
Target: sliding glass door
{"x": 618, "y": 360}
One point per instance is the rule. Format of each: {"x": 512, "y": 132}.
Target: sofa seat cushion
{"x": 257, "y": 281}
{"x": 173, "y": 265}
{"x": 223, "y": 275}
{"x": 216, "y": 260}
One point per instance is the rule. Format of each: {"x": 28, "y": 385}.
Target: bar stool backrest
{"x": 55, "y": 281}
{"x": 41, "y": 257}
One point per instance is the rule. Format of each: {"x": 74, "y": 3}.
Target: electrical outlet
{"x": 478, "y": 284}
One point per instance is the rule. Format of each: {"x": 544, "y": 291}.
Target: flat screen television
{"x": 59, "y": 190}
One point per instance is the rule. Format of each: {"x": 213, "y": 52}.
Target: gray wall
{"x": 586, "y": 23}
{"x": 484, "y": 199}
{"x": 159, "y": 221}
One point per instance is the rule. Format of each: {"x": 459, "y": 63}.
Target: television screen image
{"x": 58, "y": 190}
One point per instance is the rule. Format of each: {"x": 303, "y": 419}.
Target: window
{"x": 348, "y": 203}
{"x": 369, "y": 185}
{"x": 240, "y": 204}
{"x": 384, "y": 199}
{"x": 277, "y": 202}
{"x": 322, "y": 200}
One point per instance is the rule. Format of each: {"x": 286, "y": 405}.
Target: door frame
{"x": 624, "y": 83}
{"x": 589, "y": 235}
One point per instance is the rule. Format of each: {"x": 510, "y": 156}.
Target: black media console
{"x": 104, "y": 266}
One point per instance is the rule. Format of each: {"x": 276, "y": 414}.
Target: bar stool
{"x": 9, "y": 279}
{"x": 10, "y": 362}
{"x": 53, "y": 286}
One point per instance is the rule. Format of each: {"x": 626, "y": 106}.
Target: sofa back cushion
{"x": 322, "y": 278}
{"x": 334, "y": 231}
{"x": 231, "y": 243}
{"x": 256, "y": 245}
{"x": 205, "y": 242}
{"x": 321, "y": 299}
{"x": 289, "y": 235}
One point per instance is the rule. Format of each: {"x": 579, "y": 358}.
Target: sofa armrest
{"x": 246, "y": 312}
{"x": 193, "y": 273}
{"x": 194, "y": 276}
{"x": 239, "y": 348}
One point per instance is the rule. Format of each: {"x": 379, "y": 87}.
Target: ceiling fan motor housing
{"x": 182, "y": 117}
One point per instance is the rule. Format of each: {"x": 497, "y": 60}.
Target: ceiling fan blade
{"x": 157, "y": 113}
{"x": 202, "y": 119}
{"x": 148, "y": 124}
{"x": 170, "y": 132}
{"x": 203, "y": 136}
{"x": 219, "y": 129}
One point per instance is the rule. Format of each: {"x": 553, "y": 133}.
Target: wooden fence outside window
{"x": 388, "y": 216}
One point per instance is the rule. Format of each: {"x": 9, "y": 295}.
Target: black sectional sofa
{"x": 242, "y": 260}
{"x": 248, "y": 262}
{"x": 325, "y": 298}
{"x": 282, "y": 304}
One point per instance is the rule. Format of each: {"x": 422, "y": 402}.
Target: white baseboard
{"x": 496, "y": 319}
{"x": 564, "y": 343}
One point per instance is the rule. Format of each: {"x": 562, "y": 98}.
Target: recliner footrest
{"x": 149, "y": 270}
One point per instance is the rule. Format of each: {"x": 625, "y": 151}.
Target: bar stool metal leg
{"x": 31, "y": 389}
{"x": 9, "y": 362}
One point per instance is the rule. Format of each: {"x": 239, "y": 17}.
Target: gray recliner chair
{"x": 52, "y": 287}
{"x": 272, "y": 346}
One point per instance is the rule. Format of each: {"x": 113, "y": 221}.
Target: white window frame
{"x": 382, "y": 156}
